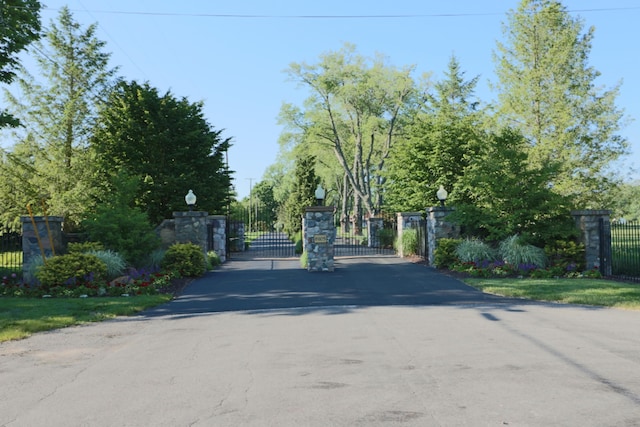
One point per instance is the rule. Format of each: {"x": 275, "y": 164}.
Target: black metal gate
{"x": 362, "y": 236}
{"x": 625, "y": 249}
{"x": 254, "y": 232}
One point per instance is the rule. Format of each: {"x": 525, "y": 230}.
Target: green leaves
{"x": 548, "y": 91}
{"x": 167, "y": 143}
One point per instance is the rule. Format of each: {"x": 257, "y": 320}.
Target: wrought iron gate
{"x": 364, "y": 236}
{"x": 254, "y": 232}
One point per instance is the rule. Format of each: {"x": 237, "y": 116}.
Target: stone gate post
{"x": 218, "y": 235}
{"x": 319, "y": 233}
{"x": 373, "y": 226}
{"x": 38, "y": 239}
{"x": 439, "y": 228}
{"x": 191, "y": 227}
{"x": 595, "y": 234}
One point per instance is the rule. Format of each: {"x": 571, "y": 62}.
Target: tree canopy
{"x": 20, "y": 26}
{"x": 355, "y": 112}
{"x": 167, "y": 143}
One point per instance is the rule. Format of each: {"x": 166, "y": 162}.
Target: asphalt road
{"x": 379, "y": 342}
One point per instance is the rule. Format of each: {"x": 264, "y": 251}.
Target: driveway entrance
{"x": 378, "y": 342}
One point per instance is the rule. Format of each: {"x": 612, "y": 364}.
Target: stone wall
{"x": 319, "y": 235}
{"x": 191, "y": 227}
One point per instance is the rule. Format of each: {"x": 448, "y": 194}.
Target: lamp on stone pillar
{"x": 442, "y": 195}
{"x": 190, "y": 199}
{"x": 320, "y": 194}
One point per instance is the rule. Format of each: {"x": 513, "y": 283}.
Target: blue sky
{"x": 235, "y": 64}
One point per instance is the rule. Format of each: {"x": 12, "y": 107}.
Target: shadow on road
{"x": 281, "y": 284}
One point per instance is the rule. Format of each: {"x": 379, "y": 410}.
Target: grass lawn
{"x": 21, "y": 317}
{"x": 597, "y": 292}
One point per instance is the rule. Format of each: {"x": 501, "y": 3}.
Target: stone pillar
{"x": 595, "y": 234}
{"x": 191, "y": 227}
{"x": 439, "y": 228}
{"x": 319, "y": 234}
{"x": 236, "y": 236}
{"x": 373, "y": 226}
{"x": 406, "y": 220}
{"x": 42, "y": 237}
{"x": 218, "y": 236}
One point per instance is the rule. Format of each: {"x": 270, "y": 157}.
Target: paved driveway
{"x": 378, "y": 343}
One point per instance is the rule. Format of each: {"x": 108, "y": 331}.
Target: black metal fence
{"x": 625, "y": 249}
{"x": 10, "y": 253}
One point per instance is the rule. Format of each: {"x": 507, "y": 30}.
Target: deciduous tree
{"x": 355, "y": 111}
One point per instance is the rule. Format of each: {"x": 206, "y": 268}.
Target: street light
{"x": 320, "y": 193}
{"x": 190, "y": 199}
{"x": 442, "y": 195}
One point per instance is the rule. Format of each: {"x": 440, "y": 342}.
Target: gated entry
{"x": 256, "y": 233}
{"x": 365, "y": 236}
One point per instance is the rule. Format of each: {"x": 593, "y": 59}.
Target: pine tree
{"x": 57, "y": 110}
{"x": 547, "y": 90}
{"x": 302, "y": 196}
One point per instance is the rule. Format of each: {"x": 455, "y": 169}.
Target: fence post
{"x": 595, "y": 234}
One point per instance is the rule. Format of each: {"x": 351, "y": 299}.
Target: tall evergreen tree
{"x": 57, "y": 109}
{"x": 302, "y": 195}
{"x": 168, "y": 144}
{"x": 547, "y": 90}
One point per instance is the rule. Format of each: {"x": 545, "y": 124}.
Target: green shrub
{"x": 84, "y": 247}
{"x": 115, "y": 263}
{"x": 121, "y": 227}
{"x": 409, "y": 241}
{"x": 516, "y": 252}
{"x": 71, "y": 270}
{"x": 213, "y": 260}
{"x": 445, "y": 253}
{"x": 184, "y": 258}
{"x": 153, "y": 260}
{"x": 386, "y": 237}
{"x": 30, "y": 269}
{"x": 304, "y": 260}
{"x": 568, "y": 255}
{"x": 474, "y": 250}
{"x": 299, "y": 244}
